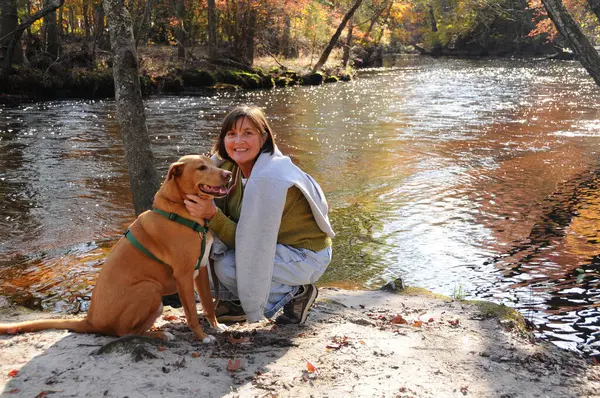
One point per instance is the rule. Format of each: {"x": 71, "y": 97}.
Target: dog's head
{"x": 196, "y": 174}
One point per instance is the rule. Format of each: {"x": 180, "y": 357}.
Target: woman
{"x": 272, "y": 233}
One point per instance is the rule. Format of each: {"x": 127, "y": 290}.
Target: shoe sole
{"x": 232, "y": 318}
{"x": 309, "y": 303}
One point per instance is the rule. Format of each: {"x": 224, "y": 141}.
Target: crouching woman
{"x": 272, "y": 232}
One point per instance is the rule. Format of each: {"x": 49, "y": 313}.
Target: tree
{"x": 51, "y": 34}
{"x": 570, "y": 30}
{"x": 9, "y": 42}
{"x": 336, "y": 36}
{"x": 212, "y": 29}
{"x": 143, "y": 178}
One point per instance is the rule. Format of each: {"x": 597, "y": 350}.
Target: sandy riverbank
{"x": 353, "y": 344}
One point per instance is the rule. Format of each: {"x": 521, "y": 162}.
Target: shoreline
{"x": 354, "y": 343}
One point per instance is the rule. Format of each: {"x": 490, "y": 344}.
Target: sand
{"x": 354, "y": 344}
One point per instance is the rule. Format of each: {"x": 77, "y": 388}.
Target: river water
{"x": 475, "y": 178}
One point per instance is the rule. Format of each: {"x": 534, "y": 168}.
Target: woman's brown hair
{"x": 258, "y": 119}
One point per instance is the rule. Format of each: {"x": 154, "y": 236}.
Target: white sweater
{"x": 260, "y": 218}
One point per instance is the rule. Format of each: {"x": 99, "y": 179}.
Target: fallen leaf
{"x": 170, "y": 317}
{"x": 232, "y": 366}
{"x": 195, "y": 354}
{"x": 162, "y": 348}
{"x": 430, "y": 319}
{"x": 13, "y": 373}
{"x": 42, "y": 394}
{"x": 13, "y": 391}
{"x": 302, "y": 335}
{"x": 362, "y": 342}
{"x": 398, "y": 320}
{"x": 310, "y": 367}
{"x": 455, "y": 322}
{"x": 417, "y": 324}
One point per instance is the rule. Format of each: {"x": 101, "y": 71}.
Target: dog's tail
{"x": 74, "y": 325}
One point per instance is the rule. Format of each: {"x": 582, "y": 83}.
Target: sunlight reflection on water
{"x": 477, "y": 175}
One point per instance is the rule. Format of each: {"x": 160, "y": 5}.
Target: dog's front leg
{"x": 185, "y": 287}
{"x": 203, "y": 289}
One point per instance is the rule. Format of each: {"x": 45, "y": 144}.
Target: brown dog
{"x": 128, "y": 292}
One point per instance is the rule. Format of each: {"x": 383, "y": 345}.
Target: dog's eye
{"x": 203, "y": 167}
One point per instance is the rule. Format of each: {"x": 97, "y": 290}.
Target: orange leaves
{"x": 234, "y": 365}
{"x": 161, "y": 348}
{"x": 398, "y": 320}
{"x": 196, "y": 354}
{"x": 13, "y": 373}
{"x": 170, "y": 318}
{"x": 310, "y": 368}
{"x": 455, "y": 323}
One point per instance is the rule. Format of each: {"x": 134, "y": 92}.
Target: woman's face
{"x": 243, "y": 143}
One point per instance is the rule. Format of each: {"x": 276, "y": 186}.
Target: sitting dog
{"x": 157, "y": 257}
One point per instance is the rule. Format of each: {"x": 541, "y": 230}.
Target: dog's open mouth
{"x": 214, "y": 191}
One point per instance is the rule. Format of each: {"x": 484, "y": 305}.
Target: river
{"x": 473, "y": 178}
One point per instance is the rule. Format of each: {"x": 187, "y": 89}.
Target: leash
{"x": 202, "y": 230}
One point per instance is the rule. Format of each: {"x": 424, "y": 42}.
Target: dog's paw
{"x": 209, "y": 339}
{"x": 220, "y": 327}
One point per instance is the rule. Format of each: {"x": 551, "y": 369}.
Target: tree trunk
{"x": 86, "y": 20}
{"x": 570, "y": 30}
{"x": 15, "y": 36}
{"x": 143, "y": 178}
{"x": 348, "y": 45}
{"x": 8, "y": 24}
{"x": 336, "y": 36}
{"x": 141, "y": 31}
{"x": 432, "y": 21}
{"x": 212, "y": 29}
{"x": 59, "y": 26}
{"x": 251, "y": 34}
{"x": 180, "y": 32}
{"x": 51, "y": 45}
{"x": 595, "y": 6}
{"x": 71, "y": 20}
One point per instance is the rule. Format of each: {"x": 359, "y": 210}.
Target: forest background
{"x": 61, "y": 48}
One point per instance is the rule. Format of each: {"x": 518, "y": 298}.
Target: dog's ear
{"x": 175, "y": 170}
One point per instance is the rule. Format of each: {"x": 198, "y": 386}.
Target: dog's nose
{"x": 226, "y": 174}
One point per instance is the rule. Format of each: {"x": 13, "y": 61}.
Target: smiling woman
{"x": 272, "y": 231}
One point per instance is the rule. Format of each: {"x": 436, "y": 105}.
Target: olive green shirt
{"x": 298, "y": 227}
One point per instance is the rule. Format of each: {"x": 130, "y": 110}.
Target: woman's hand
{"x": 200, "y": 207}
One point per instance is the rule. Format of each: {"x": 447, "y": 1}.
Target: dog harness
{"x": 202, "y": 230}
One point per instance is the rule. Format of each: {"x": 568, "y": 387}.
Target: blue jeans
{"x": 293, "y": 267}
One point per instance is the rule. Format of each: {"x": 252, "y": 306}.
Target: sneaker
{"x": 228, "y": 311}
{"x": 172, "y": 300}
{"x": 296, "y": 311}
